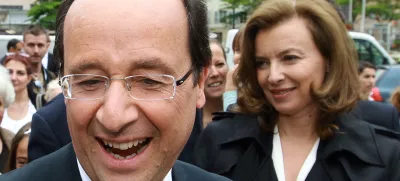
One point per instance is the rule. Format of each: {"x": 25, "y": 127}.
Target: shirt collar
{"x": 85, "y": 177}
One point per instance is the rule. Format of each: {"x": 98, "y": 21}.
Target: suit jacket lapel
{"x": 69, "y": 166}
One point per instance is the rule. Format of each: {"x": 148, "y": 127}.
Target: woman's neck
{"x": 21, "y": 96}
{"x": 213, "y": 106}
{"x": 299, "y": 126}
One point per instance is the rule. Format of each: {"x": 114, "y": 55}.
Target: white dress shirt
{"x": 45, "y": 60}
{"x": 85, "y": 177}
{"x": 277, "y": 158}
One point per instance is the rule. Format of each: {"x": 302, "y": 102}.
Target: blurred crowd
{"x": 28, "y": 81}
{"x": 297, "y": 105}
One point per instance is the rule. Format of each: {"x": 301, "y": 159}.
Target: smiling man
{"x": 133, "y": 75}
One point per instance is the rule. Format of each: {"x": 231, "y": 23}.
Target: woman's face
{"x": 1, "y": 108}
{"x": 22, "y": 153}
{"x": 19, "y": 76}
{"x": 215, "y": 82}
{"x": 288, "y": 65}
{"x": 367, "y": 80}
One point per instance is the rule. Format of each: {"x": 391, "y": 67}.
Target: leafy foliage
{"x": 238, "y": 9}
{"x": 44, "y": 13}
{"x": 378, "y": 9}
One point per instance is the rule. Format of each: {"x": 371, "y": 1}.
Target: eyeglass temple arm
{"x": 182, "y": 80}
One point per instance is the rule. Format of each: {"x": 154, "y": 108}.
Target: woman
{"x": 299, "y": 79}
{"x": 215, "y": 82}
{"x": 21, "y": 110}
{"x": 19, "y": 148}
{"x": 230, "y": 94}
{"x": 366, "y": 74}
{"x": 6, "y": 98}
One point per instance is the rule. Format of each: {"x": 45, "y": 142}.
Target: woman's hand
{"x": 230, "y": 86}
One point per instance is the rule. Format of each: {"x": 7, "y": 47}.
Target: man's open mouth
{"x": 125, "y": 150}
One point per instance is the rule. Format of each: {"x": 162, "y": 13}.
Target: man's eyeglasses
{"x": 148, "y": 87}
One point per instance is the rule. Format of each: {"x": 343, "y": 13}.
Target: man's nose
{"x": 118, "y": 109}
{"x": 36, "y": 49}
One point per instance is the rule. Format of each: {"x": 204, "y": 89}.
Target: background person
{"x": 36, "y": 44}
{"x": 215, "y": 82}
{"x": 13, "y": 46}
{"x": 7, "y": 96}
{"x": 19, "y": 149}
{"x": 366, "y": 74}
{"x": 293, "y": 122}
{"x": 395, "y": 98}
{"x": 230, "y": 94}
{"x": 21, "y": 110}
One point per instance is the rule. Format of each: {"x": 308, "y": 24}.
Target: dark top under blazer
{"x": 49, "y": 129}
{"x": 62, "y": 166}
{"x": 237, "y": 148}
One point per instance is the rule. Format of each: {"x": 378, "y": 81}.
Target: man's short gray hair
{"x": 6, "y": 87}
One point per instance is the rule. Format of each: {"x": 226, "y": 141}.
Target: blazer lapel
{"x": 257, "y": 162}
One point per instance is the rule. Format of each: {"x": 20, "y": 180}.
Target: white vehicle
{"x": 367, "y": 46}
{"x": 5, "y": 38}
{"x": 370, "y": 49}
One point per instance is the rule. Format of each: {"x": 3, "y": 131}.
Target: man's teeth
{"x": 216, "y": 84}
{"x": 124, "y": 146}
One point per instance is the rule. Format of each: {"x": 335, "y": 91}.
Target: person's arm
{"x": 229, "y": 98}
{"x": 230, "y": 94}
{"x": 42, "y": 140}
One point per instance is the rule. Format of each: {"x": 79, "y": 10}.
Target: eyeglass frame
{"x": 175, "y": 84}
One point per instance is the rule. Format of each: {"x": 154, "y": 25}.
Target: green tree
{"x": 238, "y": 9}
{"x": 44, "y": 13}
{"x": 378, "y": 9}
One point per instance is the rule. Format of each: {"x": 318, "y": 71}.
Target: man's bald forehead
{"x": 168, "y": 11}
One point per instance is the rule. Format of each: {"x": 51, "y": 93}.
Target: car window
{"x": 368, "y": 52}
{"x": 390, "y": 79}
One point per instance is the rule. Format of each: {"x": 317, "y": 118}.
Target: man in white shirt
{"x": 132, "y": 76}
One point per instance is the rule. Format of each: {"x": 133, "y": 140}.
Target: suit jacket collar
{"x": 70, "y": 163}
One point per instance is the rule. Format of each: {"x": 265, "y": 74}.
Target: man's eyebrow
{"x": 144, "y": 64}
{"x": 152, "y": 64}
{"x": 86, "y": 65}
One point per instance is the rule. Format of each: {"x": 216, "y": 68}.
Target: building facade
{"x": 13, "y": 15}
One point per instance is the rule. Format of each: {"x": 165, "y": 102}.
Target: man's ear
{"x": 201, "y": 98}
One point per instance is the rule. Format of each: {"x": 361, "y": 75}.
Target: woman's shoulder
{"x": 223, "y": 142}
{"x": 228, "y": 126}
{"x": 369, "y": 143}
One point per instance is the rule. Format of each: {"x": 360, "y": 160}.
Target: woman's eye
{"x": 220, "y": 64}
{"x": 262, "y": 64}
{"x": 290, "y": 57}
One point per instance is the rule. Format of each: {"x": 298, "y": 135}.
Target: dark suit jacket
{"x": 187, "y": 154}
{"x": 33, "y": 90}
{"x": 238, "y": 148}
{"x": 378, "y": 113}
{"x": 49, "y": 130}
{"x": 52, "y": 65}
{"x": 62, "y": 166}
